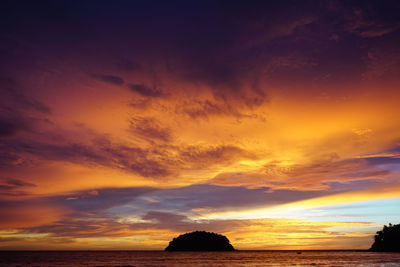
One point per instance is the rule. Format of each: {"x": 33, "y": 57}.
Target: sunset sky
{"x": 126, "y": 123}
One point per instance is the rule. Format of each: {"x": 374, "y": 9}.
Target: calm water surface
{"x": 161, "y": 258}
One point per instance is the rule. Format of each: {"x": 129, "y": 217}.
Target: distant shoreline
{"x": 239, "y": 250}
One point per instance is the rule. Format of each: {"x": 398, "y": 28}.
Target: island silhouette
{"x": 387, "y": 240}
{"x": 200, "y": 241}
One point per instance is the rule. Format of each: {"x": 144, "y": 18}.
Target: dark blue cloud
{"x": 190, "y": 198}
{"x": 100, "y": 199}
{"x": 383, "y": 160}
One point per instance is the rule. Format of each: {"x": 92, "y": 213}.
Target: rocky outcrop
{"x": 387, "y": 240}
{"x": 200, "y": 241}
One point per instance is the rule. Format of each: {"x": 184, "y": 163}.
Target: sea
{"x": 195, "y": 259}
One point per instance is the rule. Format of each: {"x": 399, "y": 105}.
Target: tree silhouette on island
{"x": 200, "y": 241}
{"x": 388, "y": 239}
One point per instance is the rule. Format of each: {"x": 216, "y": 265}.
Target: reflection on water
{"x": 161, "y": 258}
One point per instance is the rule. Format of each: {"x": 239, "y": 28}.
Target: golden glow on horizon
{"x": 298, "y": 209}
{"x": 246, "y": 234}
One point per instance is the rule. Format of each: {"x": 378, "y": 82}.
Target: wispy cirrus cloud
{"x": 313, "y": 176}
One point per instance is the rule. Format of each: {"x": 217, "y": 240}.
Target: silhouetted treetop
{"x": 200, "y": 241}
{"x": 388, "y": 239}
